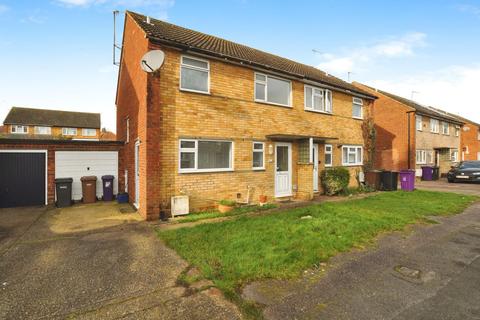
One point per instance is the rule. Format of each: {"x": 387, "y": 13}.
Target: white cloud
{"x": 3, "y": 8}
{"x": 469, "y": 9}
{"x": 360, "y": 57}
{"x": 453, "y": 89}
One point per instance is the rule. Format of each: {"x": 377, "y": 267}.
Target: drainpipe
{"x": 409, "y": 142}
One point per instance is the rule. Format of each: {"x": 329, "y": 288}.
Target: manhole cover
{"x": 408, "y": 272}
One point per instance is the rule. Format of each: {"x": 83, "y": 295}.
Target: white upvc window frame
{"x": 419, "y": 122}
{"x": 85, "y": 130}
{"x": 357, "y": 102}
{"x": 65, "y": 131}
{"x": 324, "y": 94}
{"x": 454, "y": 155}
{"x": 262, "y": 151}
{"x": 423, "y": 156}
{"x": 478, "y": 134}
{"x": 358, "y": 162}
{"x": 127, "y": 128}
{"x": 457, "y": 132}
{"x": 265, "y": 83}
{"x": 195, "y": 151}
{"x": 330, "y": 153}
{"x": 187, "y": 66}
{"x": 434, "y": 125}
{"x": 37, "y": 129}
{"x": 24, "y": 129}
{"x": 447, "y": 132}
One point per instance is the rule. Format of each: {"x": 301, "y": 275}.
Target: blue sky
{"x": 58, "y": 53}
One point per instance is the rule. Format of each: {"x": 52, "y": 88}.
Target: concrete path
{"x": 93, "y": 262}
{"x": 430, "y": 272}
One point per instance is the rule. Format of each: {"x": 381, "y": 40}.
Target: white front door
{"x": 315, "y": 167}
{"x": 283, "y": 169}
{"x": 137, "y": 174}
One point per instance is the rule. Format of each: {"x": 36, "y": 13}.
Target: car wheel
{"x": 450, "y": 180}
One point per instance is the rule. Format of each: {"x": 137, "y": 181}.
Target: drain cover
{"x": 408, "y": 272}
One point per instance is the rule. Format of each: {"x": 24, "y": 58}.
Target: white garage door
{"x": 76, "y": 164}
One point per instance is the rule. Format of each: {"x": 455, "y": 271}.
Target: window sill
{"x": 357, "y": 118}
{"x": 274, "y": 104}
{"x": 321, "y": 112}
{"x": 258, "y": 169}
{"x": 352, "y": 164}
{"x": 195, "y": 91}
{"x": 205, "y": 171}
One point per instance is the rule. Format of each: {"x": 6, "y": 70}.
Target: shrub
{"x": 335, "y": 180}
{"x": 228, "y": 203}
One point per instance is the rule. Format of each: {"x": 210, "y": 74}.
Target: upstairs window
{"x": 457, "y": 132}
{"x": 19, "y": 129}
{"x": 43, "y": 130}
{"x": 205, "y": 155}
{"x": 272, "y": 90}
{"x": 445, "y": 128}
{"x": 69, "y": 131}
{"x": 88, "y": 132}
{"x": 434, "y": 125}
{"x": 258, "y": 156}
{"x": 328, "y": 155}
{"x": 127, "y": 130}
{"x": 357, "y": 109}
{"x": 195, "y": 75}
{"x": 319, "y": 100}
{"x": 418, "y": 123}
{"x": 352, "y": 155}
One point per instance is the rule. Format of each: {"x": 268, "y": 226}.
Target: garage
{"x": 76, "y": 164}
{"x": 23, "y": 178}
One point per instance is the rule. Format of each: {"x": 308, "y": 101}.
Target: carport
{"x": 28, "y": 168}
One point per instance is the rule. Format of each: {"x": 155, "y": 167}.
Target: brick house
{"x": 469, "y": 140}
{"x": 220, "y": 120}
{"x": 30, "y": 123}
{"x": 410, "y": 135}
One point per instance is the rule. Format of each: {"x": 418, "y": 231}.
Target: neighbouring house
{"x": 411, "y": 135}
{"x": 30, "y": 123}
{"x": 469, "y": 139}
{"x": 2, "y": 130}
{"x": 220, "y": 120}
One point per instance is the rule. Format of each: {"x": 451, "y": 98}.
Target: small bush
{"x": 228, "y": 203}
{"x": 335, "y": 180}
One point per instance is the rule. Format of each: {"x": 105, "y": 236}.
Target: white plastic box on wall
{"x": 180, "y": 206}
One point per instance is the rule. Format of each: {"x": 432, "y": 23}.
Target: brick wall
{"x": 51, "y": 147}
{"x": 228, "y": 112}
{"x": 470, "y": 143}
{"x": 391, "y": 124}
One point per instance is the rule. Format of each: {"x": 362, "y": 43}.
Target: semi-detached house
{"x": 220, "y": 120}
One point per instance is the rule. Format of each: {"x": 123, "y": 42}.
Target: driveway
{"x": 443, "y": 185}
{"x": 432, "y": 271}
{"x": 90, "y": 262}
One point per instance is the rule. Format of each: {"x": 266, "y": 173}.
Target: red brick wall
{"x": 470, "y": 145}
{"x": 391, "y": 124}
{"x": 131, "y": 104}
{"x": 51, "y": 148}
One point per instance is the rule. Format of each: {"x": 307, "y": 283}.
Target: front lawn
{"x": 281, "y": 245}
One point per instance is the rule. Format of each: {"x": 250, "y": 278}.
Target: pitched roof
{"x": 177, "y": 36}
{"x": 53, "y": 118}
{"x": 421, "y": 109}
{"x": 108, "y": 135}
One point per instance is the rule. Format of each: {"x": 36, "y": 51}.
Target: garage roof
{"x": 52, "y": 118}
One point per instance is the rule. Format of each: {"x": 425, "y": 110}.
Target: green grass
{"x": 215, "y": 214}
{"x": 281, "y": 245}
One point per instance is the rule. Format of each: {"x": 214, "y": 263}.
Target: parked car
{"x": 465, "y": 171}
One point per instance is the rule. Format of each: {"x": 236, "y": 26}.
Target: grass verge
{"x": 233, "y": 253}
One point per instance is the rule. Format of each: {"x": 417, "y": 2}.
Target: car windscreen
{"x": 469, "y": 165}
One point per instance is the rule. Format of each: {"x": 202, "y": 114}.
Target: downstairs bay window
{"x": 352, "y": 155}
{"x": 205, "y": 155}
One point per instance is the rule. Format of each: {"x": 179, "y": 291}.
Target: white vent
{"x": 180, "y": 206}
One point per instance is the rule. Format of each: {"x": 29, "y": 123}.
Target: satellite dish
{"x": 152, "y": 61}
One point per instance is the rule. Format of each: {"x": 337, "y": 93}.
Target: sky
{"x": 57, "y": 54}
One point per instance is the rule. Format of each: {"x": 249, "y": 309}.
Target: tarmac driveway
{"x": 93, "y": 262}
